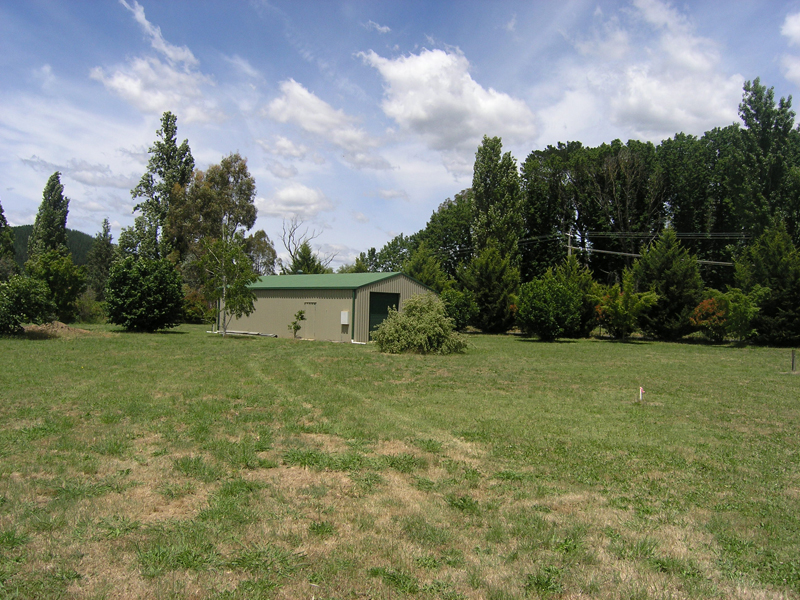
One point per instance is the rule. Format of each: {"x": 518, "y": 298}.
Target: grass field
{"x": 184, "y": 465}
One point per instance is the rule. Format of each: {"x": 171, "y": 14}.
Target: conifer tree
{"x": 7, "y": 265}
{"x": 99, "y": 260}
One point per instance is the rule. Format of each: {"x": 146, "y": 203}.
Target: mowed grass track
{"x": 184, "y": 465}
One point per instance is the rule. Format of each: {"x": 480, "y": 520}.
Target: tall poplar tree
{"x": 50, "y": 228}
{"x": 99, "y": 260}
{"x": 496, "y": 199}
{"x": 169, "y": 171}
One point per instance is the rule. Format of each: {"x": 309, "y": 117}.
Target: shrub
{"x": 422, "y": 327}
{"x": 144, "y": 294}
{"x": 460, "y": 306}
{"x": 24, "y": 300}
{"x": 711, "y": 317}
{"x": 548, "y": 308}
{"x": 620, "y": 307}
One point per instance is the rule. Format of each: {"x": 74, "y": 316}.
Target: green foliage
{"x": 578, "y": 278}
{"x": 548, "y": 308}
{"x": 23, "y": 300}
{"x": 64, "y": 279}
{"x": 169, "y": 172}
{"x": 742, "y": 310}
{"x": 98, "y": 261}
{"x": 493, "y": 281}
{"x": 305, "y": 262}
{"x": 50, "y": 227}
{"x": 195, "y": 307}
{"x": 395, "y": 253}
{"x": 218, "y": 203}
{"x": 425, "y": 268}
{"x": 773, "y": 262}
{"x": 7, "y": 266}
{"x": 497, "y": 217}
{"x": 261, "y": 251}
{"x": 422, "y": 327}
{"x": 88, "y": 309}
{"x": 144, "y": 294}
{"x": 295, "y": 326}
{"x": 668, "y": 269}
{"x": 460, "y": 306}
{"x": 448, "y": 233}
{"x": 226, "y": 275}
{"x": 620, "y": 306}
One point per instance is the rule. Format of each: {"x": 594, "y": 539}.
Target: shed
{"x": 340, "y": 307}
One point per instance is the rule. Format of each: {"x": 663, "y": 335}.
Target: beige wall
{"x": 275, "y": 309}
{"x": 396, "y": 285}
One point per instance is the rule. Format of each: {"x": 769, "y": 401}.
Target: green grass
{"x": 182, "y": 465}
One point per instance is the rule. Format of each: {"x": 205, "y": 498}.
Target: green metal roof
{"x": 328, "y": 281}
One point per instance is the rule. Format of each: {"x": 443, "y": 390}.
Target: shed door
{"x": 379, "y": 303}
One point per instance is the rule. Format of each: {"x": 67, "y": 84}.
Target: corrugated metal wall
{"x": 275, "y": 309}
{"x": 400, "y": 284}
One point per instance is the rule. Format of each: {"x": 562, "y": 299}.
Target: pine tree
{"x": 668, "y": 269}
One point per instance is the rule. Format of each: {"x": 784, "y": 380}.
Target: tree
{"x": 668, "y": 269}
{"x": 773, "y": 262}
{"x": 63, "y": 278}
{"x": 50, "y": 227}
{"x": 261, "y": 251}
{"x": 459, "y": 305}
{"x": 493, "y": 281}
{"x": 448, "y": 233}
{"x": 144, "y": 294}
{"x": 169, "y": 171}
{"x": 496, "y": 203}
{"x": 8, "y": 266}
{"x": 620, "y": 306}
{"x": 301, "y": 257}
{"x": 227, "y": 274}
{"x": 217, "y": 202}
{"x": 578, "y": 278}
{"x": 23, "y": 300}
{"x": 395, "y": 253}
{"x": 548, "y": 308}
{"x": 425, "y": 268}
{"x": 99, "y": 261}
{"x": 305, "y": 262}
{"x": 423, "y": 327}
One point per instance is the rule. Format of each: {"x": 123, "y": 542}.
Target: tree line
{"x": 671, "y": 237}
{"x": 695, "y": 233}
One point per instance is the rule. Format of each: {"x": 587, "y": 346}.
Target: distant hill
{"x": 79, "y": 244}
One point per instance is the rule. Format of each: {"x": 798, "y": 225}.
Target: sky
{"x": 358, "y": 118}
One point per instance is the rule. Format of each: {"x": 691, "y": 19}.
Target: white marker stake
{"x": 641, "y": 394}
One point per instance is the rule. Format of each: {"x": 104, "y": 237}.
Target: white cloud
{"x": 294, "y": 200}
{"x": 243, "y": 66}
{"x": 93, "y": 175}
{"x": 511, "y": 26}
{"x": 393, "y": 195}
{"x": 360, "y": 217}
{"x": 433, "y": 95}
{"x": 372, "y": 25}
{"x": 284, "y": 147}
{"x": 153, "y": 85}
{"x": 791, "y": 62}
{"x": 174, "y": 54}
{"x": 298, "y": 106}
{"x": 651, "y": 78}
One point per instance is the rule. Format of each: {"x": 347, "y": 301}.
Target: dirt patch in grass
{"x": 56, "y": 329}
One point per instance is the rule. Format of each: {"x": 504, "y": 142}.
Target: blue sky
{"x": 359, "y": 118}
